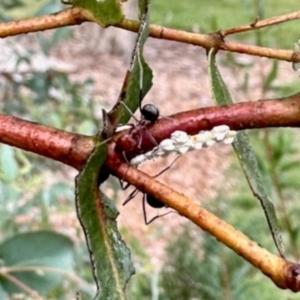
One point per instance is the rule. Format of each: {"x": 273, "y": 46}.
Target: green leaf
{"x": 8, "y": 166}
{"x": 28, "y": 257}
{"x": 296, "y": 66}
{"x": 12, "y": 4}
{"x": 110, "y": 256}
{"x": 271, "y": 76}
{"x": 220, "y": 93}
{"x": 107, "y": 12}
{"x": 245, "y": 154}
{"x": 82, "y": 296}
{"x": 138, "y": 79}
{"x": 249, "y": 165}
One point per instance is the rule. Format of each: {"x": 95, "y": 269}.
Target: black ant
{"x": 150, "y": 114}
{"x": 152, "y": 201}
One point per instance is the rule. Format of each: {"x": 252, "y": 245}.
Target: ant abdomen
{"x": 153, "y": 202}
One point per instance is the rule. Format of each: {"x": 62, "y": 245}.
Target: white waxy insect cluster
{"x": 180, "y": 142}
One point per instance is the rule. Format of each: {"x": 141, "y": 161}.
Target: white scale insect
{"x": 180, "y": 142}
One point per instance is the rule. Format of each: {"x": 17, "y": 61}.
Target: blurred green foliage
{"x": 31, "y": 253}
{"x": 198, "y": 267}
{"x": 209, "y": 16}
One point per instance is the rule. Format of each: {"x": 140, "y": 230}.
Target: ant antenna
{"x": 149, "y": 115}
{"x": 150, "y": 200}
{"x": 149, "y": 112}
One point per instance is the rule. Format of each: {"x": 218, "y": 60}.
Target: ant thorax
{"x": 150, "y": 114}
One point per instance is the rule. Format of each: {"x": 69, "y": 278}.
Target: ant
{"x": 149, "y": 115}
{"x": 149, "y": 112}
{"x": 151, "y": 201}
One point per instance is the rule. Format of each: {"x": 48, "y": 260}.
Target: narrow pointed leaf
{"x": 272, "y": 75}
{"x": 82, "y": 296}
{"x": 245, "y": 154}
{"x": 296, "y": 66}
{"x": 110, "y": 256}
{"x": 138, "y": 79}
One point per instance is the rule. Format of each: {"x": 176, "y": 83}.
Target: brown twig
{"x": 18, "y": 283}
{"x": 283, "y": 273}
{"x": 44, "y": 269}
{"x": 75, "y": 16}
{"x": 257, "y": 24}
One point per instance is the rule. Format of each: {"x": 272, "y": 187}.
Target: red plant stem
{"x": 74, "y": 149}
{"x": 68, "y": 148}
{"x": 247, "y": 115}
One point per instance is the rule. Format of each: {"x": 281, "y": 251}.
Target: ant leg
{"x": 169, "y": 118}
{"x": 129, "y": 111}
{"x": 167, "y": 168}
{"x": 150, "y": 137}
{"x": 140, "y": 103}
{"x": 127, "y": 185}
{"x": 131, "y": 196}
{"x": 125, "y": 158}
{"x": 144, "y": 210}
{"x": 145, "y": 215}
{"x": 124, "y": 186}
{"x": 157, "y": 216}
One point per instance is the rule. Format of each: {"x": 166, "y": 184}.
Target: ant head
{"x": 150, "y": 112}
{"x": 153, "y": 202}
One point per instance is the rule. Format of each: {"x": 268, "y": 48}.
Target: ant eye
{"x": 150, "y": 112}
